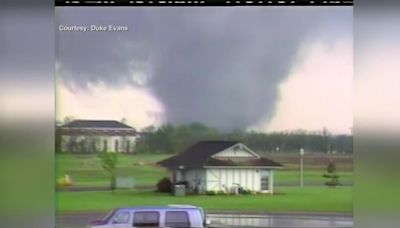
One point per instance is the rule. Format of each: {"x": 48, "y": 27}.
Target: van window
{"x": 146, "y": 219}
{"x": 177, "y": 219}
{"x": 121, "y": 218}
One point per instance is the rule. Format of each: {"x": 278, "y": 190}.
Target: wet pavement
{"x": 219, "y": 220}
{"x": 281, "y": 220}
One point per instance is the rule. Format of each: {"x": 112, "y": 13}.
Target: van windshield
{"x": 109, "y": 215}
{"x": 203, "y": 214}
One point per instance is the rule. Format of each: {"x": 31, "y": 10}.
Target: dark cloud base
{"x": 218, "y": 66}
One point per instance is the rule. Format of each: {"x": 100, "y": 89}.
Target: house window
{"x": 116, "y": 145}
{"x": 264, "y": 183}
{"x": 146, "y": 219}
{"x": 177, "y": 219}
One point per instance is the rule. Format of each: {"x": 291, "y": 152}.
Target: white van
{"x": 171, "y": 216}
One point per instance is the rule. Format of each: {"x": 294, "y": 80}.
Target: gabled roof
{"x": 199, "y": 155}
{"x": 96, "y": 124}
{"x": 196, "y": 155}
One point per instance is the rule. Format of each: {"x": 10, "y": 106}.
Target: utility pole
{"x": 301, "y": 166}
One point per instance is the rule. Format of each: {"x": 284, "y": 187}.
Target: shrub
{"x": 211, "y": 193}
{"x": 221, "y": 192}
{"x": 245, "y": 192}
{"x": 195, "y": 190}
{"x": 164, "y": 185}
{"x": 332, "y": 183}
{"x": 333, "y": 178}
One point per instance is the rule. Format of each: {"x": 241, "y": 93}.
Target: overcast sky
{"x": 264, "y": 68}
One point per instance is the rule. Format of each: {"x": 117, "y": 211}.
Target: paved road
{"x": 281, "y": 220}
{"x": 219, "y": 220}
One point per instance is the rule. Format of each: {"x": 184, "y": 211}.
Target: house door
{"x": 264, "y": 181}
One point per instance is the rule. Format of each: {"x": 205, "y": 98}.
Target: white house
{"x": 222, "y": 165}
{"x": 88, "y": 136}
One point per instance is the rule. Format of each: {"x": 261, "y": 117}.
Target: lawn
{"x": 86, "y": 170}
{"x": 316, "y": 199}
{"x": 311, "y": 177}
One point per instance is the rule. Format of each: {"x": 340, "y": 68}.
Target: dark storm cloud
{"x": 26, "y": 44}
{"x": 218, "y": 66}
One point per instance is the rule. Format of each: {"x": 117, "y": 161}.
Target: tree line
{"x": 172, "y": 139}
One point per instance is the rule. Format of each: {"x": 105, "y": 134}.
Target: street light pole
{"x": 301, "y": 167}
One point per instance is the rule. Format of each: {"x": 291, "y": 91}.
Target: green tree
{"x": 169, "y": 138}
{"x": 333, "y": 178}
{"x": 109, "y": 161}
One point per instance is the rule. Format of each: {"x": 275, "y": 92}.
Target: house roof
{"x": 199, "y": 155}
{"x": 96, "y": 124}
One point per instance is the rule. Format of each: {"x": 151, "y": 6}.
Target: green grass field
{"x": 316, "y": 199}
{"x": 86, "y": 170}
{"x": 312, "y": 177}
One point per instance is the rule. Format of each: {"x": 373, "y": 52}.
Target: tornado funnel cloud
{"x": 217, "y": 66}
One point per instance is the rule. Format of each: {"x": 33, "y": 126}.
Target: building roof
{"x": 96, "y": 124}
{"x": 199, "y": 155}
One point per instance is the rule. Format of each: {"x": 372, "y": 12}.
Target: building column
{"x": 271, "y": 181}
{"x": 178, "y": 175}
{"x": 172, "y": 176}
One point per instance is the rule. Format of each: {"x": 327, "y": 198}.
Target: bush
{"x": 164, "y": 185}
{"x": 245, "y": 192}
{"x": 332, "y": 183}
{"x": 211, "y": 193}
{"x": 333, "y": 178}
{"x": 221, "y": 192}
{"x": 195, "y": 191}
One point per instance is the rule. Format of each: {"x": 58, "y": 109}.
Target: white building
{"x": 89, "y": 136}
{"x": 222, "y": 166}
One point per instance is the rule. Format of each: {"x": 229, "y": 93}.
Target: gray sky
{"x": 268, "y": 68}
{"x": 25, "y": 62}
